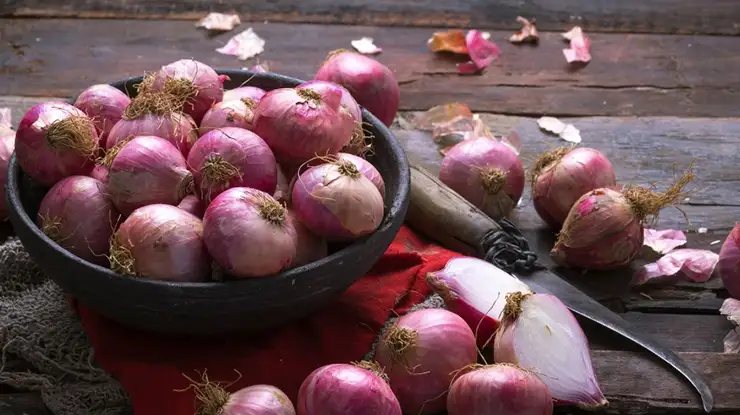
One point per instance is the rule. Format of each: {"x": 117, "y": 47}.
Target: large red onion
{"x": 231, "y": 157}
{"x": 249, "y": 233}
{"x": 370, "y": 82}
{"x": 192, "y": 205}
{"x": 561, "y": 176}
{"x": 147, "y": 170}
{"x": 500, "y": 389}
{"x": 729, "y": 262}
{"x": 192, "y": 82}
{"x": 77, "y": 214}
{"x": 342, "y": 389}
{"x": 421, "y": 353}
{"x": 213, "y": 399}
{"x": 335, "y": 201}
{"x": 250, "y": 92}
{"x": 540, "y": 334}
{"x": 104, "y": 104}
{"x": 7, "y": 145}
{"x": 161, "y": 242}
{"x": 237, "y": 113}
{"x": 56, "y": 140}
{"x": 476, "y": 291}
{"x": 302, "y": 124}
{"x": 487, "y": 173}
{"x": 309, "y": 247}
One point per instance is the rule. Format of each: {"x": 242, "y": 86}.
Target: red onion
{"x": 231, "y": 157}
{"x": 487, "y": 173}
{"x": 251, "y": 92}
{"x": 213, "y": 399}
{"x": 335, "y": 201}
{"x": 421, "y": 353}
{"x": 105, "y": 105}
{"x": 100, "y": 173}
{"x": 249, "y": 233}
{"x": 236, "y": 113}
{"x": 56, "y": 140}
{"x": 500, "y": 389}
{"x": 729, "y": 262}
{"x": 160, "y": 242}
{"x": 145, "y": 171}
{"x": 604, "y": 228}
{"x": 192, "y": 205}
{"x": 302, "y": 124}
{"x": 561, "y": 176}
{"x": 540, "y": 334}
{"x": 476, "y": 291}
{"x": 192, "y": 82}
{"x": 330, "y": 89}
{"x": 370, "y": 82}
{"x": 341, "y": 389}
{"x": 7, "y": 145}
{"x": 152, "y": 114}
{"x": 77, "y": 214}
{"x": 309, "y": 247}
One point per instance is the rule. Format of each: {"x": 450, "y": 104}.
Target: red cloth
{"x": 151, "y": 367}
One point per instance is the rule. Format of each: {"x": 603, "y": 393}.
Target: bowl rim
{"x": 398, "y": 206}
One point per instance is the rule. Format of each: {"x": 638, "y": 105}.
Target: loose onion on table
{"x": 560, "y": 177}
{"x": 7, "y": 145}
{"x": 499, "y": 389}
{"x": 476, "y": 291}
{"x": 249, "y": 92}
{"x": 56, "y": 140}
{"x": 342, "y": 389}
{"x": 487, "y": 173}
{"x": 104, "y": 104}
{"x": 160, "y": 242}
{"x": 421, "y": 353}
{"x": 729, "y": 262}
{"x": 540, "y": 334}
{"x": 335, "y": 201}
{"x": 249, "y": 233}
{"x": 235, "y": 113}
{"x": 604, "y": 228}
{"x": 78, "y": 214}
{"x": 147, "y": 170}
{"x": 370, "y": 82}
{"x": 231, "y": 157}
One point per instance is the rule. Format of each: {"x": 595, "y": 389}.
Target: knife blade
{"x": 439, "y": 213}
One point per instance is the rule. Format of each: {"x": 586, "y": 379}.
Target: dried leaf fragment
{"x": 441, "y": 114}
{"x": 219, "y": 22}
{"x": 567, "y": 132}
{"x": 731, "y": 309}
{"x": 245, "y": 45}
{"x": 528, "y": 32}
{"x": 696, "y": 264}
{"x": 365, "y": 46}
{"x": 482, "y": 52}
{"x": 449, "y": 41}
{"x": 5, "y": 118}
{"x": 663, "y": 241}
{"x": 580, "y": 46}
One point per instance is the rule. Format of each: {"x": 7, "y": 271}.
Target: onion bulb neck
{"x": 492, "y": 180}
{"x": 547, "y": 158}
{"x": 647, "y": 203}
{"x": 272, "y": 211}
{"x": 120, "y": 257}
{"x": 73, "y": 133}
{"x": 373, "y": 367}
{"x": 310, "y": 96}
{"x": 513, "y": 307}
{"x": 399, "y": 341}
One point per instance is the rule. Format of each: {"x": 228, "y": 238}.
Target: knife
{"x": 439, "y": 213}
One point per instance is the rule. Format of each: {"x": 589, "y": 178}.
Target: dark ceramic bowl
{"x": 212, "y": 308}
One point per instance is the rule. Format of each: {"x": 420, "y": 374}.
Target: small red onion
{"x": 540, "y": 334}
{"x": 192, "y": 205}
{"x": 145, "y": 171}
{"x": 729, "y": 262}
{"x": 370, "y": 82}
{"x": 191, "y": 81}
{"x": 231, "y": 157}
{"x": 476, "y": 291}
{"x": 302, "y": 124}
{"x": 7, "y": 145}
{"x": 499, "y": 390}
{"x": 487, "y": 173}
{"x": 104, "y": 104}
{"x": 249, "y": 233}
{"x": 421, "y": 353}
{"x": 100, "y": 173}
{"x": 77, "y": 214}
{"x": 309, "y": 247}
{"x": 562, "y": 176}
{"x": 236, "y": 113}
{"x": 56, "y": 140}
{"x": 250, "y": 92}
{"x": 160, "y": 242}
{"x": 335, "y": 201}
{"x": 342, "y": 389}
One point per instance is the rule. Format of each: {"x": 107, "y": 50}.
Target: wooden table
{"x": 660, "y": 91}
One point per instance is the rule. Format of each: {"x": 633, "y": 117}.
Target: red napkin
{"x": 151, "y": 367}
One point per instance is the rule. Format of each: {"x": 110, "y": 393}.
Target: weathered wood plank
{"x": 663, "y": 16}
{"x": 629, "y": 75}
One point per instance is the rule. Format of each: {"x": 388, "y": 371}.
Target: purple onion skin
{"x": 241, "y": 241}
{"x": 241, "y": 148}
{"x": 729, "y": 262}
{"x": 166, "y": 243}
{"x": 100, "y": 173}
{"x": 105, "y": 105}
{"x": 148, "y": 170}
{"x": 179, "y": 129}
{"x": 77, "y": 214}
{"x": 7, "y": 145}
{"x": 251, "y": 92}
{"x": 258, "y": 400}
{"x": 193, "y": 205}
{"x": 331, "y": 89}
{"x": 37, "y": 157}
{"x": 227, "y": 114}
